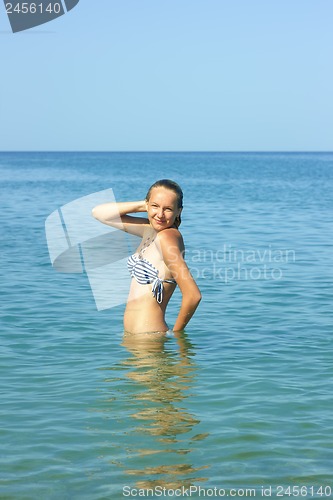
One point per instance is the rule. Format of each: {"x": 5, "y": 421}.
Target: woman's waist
{"x": 141, "y": 319}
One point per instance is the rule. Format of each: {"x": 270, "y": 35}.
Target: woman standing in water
{"x": 158, "y": 264}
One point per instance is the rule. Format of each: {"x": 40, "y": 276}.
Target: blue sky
{"x": 171, "y": 75}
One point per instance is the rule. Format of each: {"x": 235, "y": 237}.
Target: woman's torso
{"x": 143, "y": 312}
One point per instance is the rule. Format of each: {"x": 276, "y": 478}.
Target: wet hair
{"x": 173, "y": 186}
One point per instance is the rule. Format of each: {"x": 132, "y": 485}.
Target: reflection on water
{"x": 158, "y": 430}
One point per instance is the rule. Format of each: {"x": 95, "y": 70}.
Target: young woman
{"x": 158, "y": 264}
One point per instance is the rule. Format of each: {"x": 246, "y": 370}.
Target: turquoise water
{"x": 242, "y": 400}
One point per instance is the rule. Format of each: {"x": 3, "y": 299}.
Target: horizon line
{"x": 164, "y": 151}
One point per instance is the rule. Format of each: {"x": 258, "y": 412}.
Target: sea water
{"x": 239, "y": 403}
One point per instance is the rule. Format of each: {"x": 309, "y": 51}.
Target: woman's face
{"x": 162, "y": 208}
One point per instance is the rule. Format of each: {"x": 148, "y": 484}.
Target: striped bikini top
{"x": 144, "y": 273}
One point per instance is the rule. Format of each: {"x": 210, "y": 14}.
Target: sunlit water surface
{"x": 243, "y": 399}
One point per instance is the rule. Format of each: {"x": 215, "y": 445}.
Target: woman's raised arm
{"x": 116, "y": 215}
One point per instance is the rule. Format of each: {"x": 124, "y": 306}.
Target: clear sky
{"x": 171, "y": 75}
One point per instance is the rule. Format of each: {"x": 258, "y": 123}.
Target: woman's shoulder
{"x": 171, "y": 235}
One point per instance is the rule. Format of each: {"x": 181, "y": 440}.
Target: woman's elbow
{"x": 96, "y": 213}
{"x": 195, "y": 298}
{"x": 198, "y": 297}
